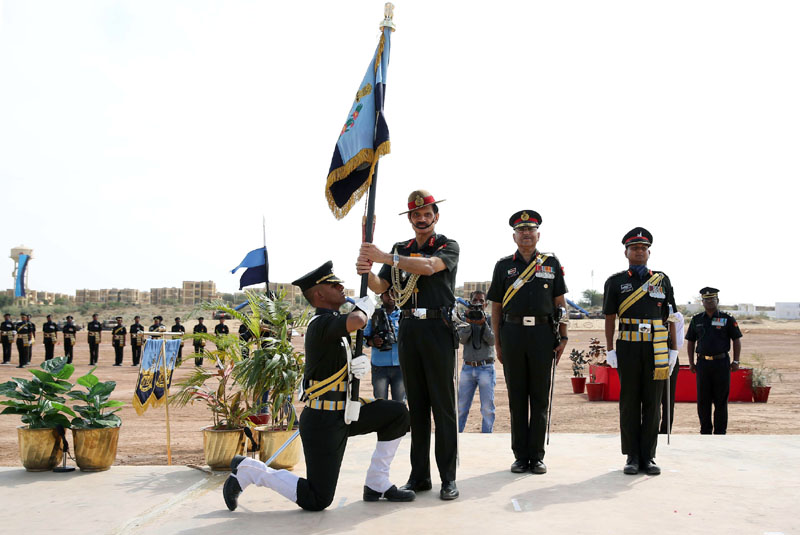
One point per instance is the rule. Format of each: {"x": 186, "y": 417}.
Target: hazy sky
{"x": 141, "y": 142}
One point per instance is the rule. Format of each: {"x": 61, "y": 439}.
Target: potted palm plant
{"x": 95, "y": 430}
{"x": 40, "y": 404}
{"x": 578, "y": 359}
{"x": 273, "y": 373}
{"x": 215, "y": 387}
{"x": 761, "y": 378}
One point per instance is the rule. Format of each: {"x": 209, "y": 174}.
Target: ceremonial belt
{"x": 317, "y": 388}
{"x": 523, "y": 278}
{"x": 51, "y": 336}
{"x": 715, "y": 357}
{"x": 423, "y": 313}
{"x": 94, "y": 334}
{"x": 70, "y": 337}
{"x": 632, "y": 330}
{"x": 10, "y": 335}
{"x": 323, "y": 405}
{"x": 639, "y": 293}
{"x": 528, "y": 321}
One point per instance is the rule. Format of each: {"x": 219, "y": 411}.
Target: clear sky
{"x": 141, "y": 142}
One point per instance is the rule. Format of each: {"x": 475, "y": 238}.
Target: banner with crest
{"x": 151, "y": 385}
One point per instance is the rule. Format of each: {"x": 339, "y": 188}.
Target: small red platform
{"x": 685, "y": 390}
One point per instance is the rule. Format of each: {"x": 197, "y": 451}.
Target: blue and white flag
{"x": 364, "y": 138}
{"x": 158, "y": 356}
{"x": 257, "y": 268}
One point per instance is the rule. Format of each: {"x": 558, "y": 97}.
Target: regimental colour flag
{"x": 364, "y": 138}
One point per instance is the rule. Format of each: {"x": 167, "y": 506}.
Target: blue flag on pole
{"x": 364, "y": 137}
{"x": 257, "y": 268}
{"x": 19, "y": 286}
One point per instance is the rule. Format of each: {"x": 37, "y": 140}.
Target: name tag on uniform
{"x": 719, "y": 322}
{"x": 625, "y": 288}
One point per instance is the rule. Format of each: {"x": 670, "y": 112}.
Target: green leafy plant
{"x": 761, "y": 374}
{"x": 39, "y": 401}
{"x": 274, "y": 366}
{"x": 579, "y": 362}
{"x": 94, "y": 414}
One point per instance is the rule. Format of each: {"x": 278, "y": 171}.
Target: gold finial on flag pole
{"x": 388, "y": 13}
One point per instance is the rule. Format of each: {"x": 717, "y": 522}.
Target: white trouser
{"x": 378, "y": 472}
{"x": 252, "y": 472}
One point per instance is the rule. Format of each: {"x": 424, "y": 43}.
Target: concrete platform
{"x": 710, "y": 484}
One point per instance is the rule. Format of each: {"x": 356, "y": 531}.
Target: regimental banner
{"x": 364, "y": 138}
{"x": 151, "y": 385}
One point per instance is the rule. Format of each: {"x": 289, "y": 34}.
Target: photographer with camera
{"x": 381, "y": 335}
{"x": 477, "y": 337}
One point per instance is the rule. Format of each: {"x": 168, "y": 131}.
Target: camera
{"x": 383, "y": 330}
{"x": 475, "y": 312}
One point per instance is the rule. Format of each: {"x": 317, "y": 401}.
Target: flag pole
{"x": 163, "y": 358}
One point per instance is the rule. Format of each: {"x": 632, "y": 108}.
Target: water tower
{"x": 21, "y": 256}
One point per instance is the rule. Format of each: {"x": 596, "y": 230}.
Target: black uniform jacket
{"x": 437, "y": 290}
{"x": 654, "y": 304}
{"x": 713, "y": 334}
{"x": 535, "y": 297}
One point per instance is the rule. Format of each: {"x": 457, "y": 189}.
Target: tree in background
{"x": 591, "y": 298}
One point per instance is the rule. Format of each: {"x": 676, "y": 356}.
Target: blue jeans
{"x": 382, "y": 377}
{"x": 482, "y": 377}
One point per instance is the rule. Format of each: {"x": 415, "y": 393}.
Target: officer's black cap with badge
{"x": 525, "y": 218}
{"x": 709, "y": 293}
{"x": 321, "y": 275}
{"x": 159, "y": 318}
{"x": 420, "y": 199}
{"x": 637, "y": 235}
{"x": 118, "y": 318}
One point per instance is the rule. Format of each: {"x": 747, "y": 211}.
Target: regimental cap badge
{"x": 637, "y": 235}
{"x": 525, "y": 218}
{"x": 419, "y": 199}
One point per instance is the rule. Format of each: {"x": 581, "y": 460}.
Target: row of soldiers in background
{"x": 23, "y": 333}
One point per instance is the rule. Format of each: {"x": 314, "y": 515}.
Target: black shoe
{"x": 650, "y": 468}
{"x": 230, "y": 492}
{"x": 236, "y": 461}
{"x": 449, "y": 490}
{"x": 520, "y": 466}
{"x": 117, "y": 364}
{"x": 631, "y": 466}
{"x": 538, "y": 468}
{"x": 393, "y": 495}
{"x": 417, "y": 485}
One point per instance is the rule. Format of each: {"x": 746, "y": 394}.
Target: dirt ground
{"x": 143, "y": 438}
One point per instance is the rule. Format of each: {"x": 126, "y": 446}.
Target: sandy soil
{"x": 143, "y": 438}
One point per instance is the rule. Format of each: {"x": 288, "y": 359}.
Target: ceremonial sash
{"x": 523, "y": 278}
{"x": 316, "y": 389}
{"x": 639, "y": 293}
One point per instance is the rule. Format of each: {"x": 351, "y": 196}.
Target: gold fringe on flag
{"x": 364, "y": 156}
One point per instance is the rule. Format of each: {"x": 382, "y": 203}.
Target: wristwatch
{"x": 395, "y": 259}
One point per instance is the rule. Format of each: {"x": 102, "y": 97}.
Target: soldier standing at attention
{"x": 50, "y": 330}
{"x": 528, "y": 315}
{"x": 157, "y": 327}
{"x": 95, "y": 329}
{"x": 709, "y": 335}
{"x": 422, "y": 273}
{"x": 8, "y": 332}
{"x": 640, "y": 299}
{"x": 70, "y": 331}
{"x": 198, "y": 343}
{"x": 25, "y": 338}
{"x": 118, "y": 334}
{"x": 221, "y": 328}
{"x": 137, "y": 340}
{"x": 178, "y": 328}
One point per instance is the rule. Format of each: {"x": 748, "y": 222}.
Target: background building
{"x": 196, "y": 292}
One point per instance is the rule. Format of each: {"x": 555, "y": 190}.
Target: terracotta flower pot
{"x": 578, "y": 385}
{"x": 39, "y": 449}
{"x": 595, "y": 391}
{"x": 259, "y": 419}
{"x": 270, "y": 441}
{"x": 221, "y": 445}
{"x": 761, "y": 393}
{"x": 95, "y": 449}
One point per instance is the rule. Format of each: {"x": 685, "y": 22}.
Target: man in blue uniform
{"x": 529, "y": 317}
{"x": 639, "y": 299}
{"x": 323, "y": 427}
{"x": 710, "y": 334}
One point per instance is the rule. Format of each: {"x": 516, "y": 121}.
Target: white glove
{"x": 611, "y": 358}
{"x": 359, "y": 366}
{"x": 673, "y": 358}
{"x": 366, "y": 305}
